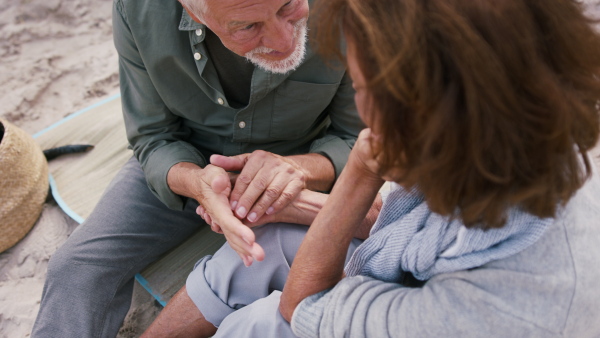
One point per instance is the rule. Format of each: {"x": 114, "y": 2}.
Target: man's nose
{"x": 279, "y": 36}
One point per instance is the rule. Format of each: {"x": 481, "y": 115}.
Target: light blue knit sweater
{"x": 408, "y": 236}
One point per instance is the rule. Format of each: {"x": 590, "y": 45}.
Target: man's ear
{"x": 195, "y": 18}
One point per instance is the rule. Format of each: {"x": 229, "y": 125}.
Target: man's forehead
{"x": 241, "y": 11}
{"x": 241, "y": 3}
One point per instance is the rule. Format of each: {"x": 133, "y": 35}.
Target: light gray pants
{"x": 90, "y": 278}
{"x": 244, "y": 301}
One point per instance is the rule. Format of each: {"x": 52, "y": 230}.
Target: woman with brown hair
{"x": 482, "y": 113}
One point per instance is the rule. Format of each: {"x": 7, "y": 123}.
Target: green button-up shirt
{"x": 175, "y": 109}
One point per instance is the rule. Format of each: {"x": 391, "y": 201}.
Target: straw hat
{"x": 23, "y": 184}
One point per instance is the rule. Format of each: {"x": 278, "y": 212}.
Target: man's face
{"x": 269, "y": 33}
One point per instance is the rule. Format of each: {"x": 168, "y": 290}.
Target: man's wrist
{"x": 178, "y": 179}
{"x": 307, "y": 206}
{"x": 318, "y": 169}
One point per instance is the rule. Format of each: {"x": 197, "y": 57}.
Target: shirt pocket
{"x": 298, "y": 108}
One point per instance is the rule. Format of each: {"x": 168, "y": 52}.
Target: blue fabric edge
{"x": 144, "y": 283}
{"x": 63, "y": 205}
{"x": 77, "y": 113}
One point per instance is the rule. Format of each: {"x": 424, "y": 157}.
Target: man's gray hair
{"x": 197, "y": 7}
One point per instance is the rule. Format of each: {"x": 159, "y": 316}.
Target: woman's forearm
{"x": 304, "y": 209}
{"x": 319, "y": 263}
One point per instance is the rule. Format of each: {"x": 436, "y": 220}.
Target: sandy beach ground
{"x": 57, "y": 57}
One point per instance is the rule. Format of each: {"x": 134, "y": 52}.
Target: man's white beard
{"x": 288, "y": 64}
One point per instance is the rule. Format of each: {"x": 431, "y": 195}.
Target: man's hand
{"x": 301, "y": 211}
{"x": 211, "y": 187}
{"x": 267, "y": 183}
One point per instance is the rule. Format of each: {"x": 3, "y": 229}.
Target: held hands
{"x": 266, "y": 184}
{"x": 271, "y": 188}
{"x": 264, "y": 190}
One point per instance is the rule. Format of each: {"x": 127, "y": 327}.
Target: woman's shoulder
{"x": 583, "y": 210}
{"x": 553, "y": 283}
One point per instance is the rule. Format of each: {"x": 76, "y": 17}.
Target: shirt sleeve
{"x": 450, "y": 307}
{"x": 156, "y": 135}
{"x": 344, "y": 128}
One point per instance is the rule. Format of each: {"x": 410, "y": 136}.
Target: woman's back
{"x": 550, "y": 289}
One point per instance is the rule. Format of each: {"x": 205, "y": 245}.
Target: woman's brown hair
{"x": 484, "y": 105}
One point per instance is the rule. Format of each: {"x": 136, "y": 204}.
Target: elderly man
{"x": 230, "y": 114}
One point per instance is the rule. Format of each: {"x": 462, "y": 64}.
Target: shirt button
{"x": 220, "y": 100}
{"x": 197, "y": 56}
{"x": 242, "y": 125}
{"x": 199, "y": 31}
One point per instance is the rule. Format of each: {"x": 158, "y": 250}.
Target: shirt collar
{"x": 188, "y": 24}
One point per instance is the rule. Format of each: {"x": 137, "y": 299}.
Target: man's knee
{"x": 75, "y": 264}
{"x": 61, "y": 262}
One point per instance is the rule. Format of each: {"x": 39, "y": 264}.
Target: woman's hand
{"x": 362, "y": 157}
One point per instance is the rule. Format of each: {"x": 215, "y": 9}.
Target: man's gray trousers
{"x": 90, "y": 278}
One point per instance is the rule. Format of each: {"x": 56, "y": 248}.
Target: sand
{"x": 56, "y": 57}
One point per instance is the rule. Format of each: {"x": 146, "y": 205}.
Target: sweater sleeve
{"x": 452, "y": 307}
